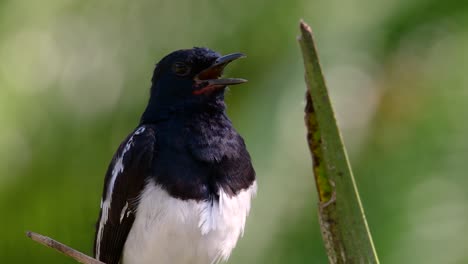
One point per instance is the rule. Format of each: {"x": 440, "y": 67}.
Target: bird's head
{"x": 191, "y": 77}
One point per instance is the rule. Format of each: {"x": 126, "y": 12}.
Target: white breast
{"x": 168, "y": 230}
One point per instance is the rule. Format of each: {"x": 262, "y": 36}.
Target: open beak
{"x": 209, "y": 79}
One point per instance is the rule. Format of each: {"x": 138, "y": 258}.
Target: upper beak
{"x": 207, "y": 79}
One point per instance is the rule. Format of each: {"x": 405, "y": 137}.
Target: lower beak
{"x": 208, "y": 79}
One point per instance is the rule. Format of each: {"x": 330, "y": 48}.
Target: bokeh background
{"x": 75, "y": 75}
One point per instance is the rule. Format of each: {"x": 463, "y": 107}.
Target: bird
{"x": 179, "y": 187}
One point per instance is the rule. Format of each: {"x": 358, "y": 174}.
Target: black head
{"x": 190, "y": 77}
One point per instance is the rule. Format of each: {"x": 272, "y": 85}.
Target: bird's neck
{"x": 157, "y": 112}
{"x": 205, "y": 131}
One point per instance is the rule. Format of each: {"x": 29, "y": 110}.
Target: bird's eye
{"x": 180, "y": 68}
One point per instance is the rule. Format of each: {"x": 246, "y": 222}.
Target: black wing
{"x": 125, "y": 179}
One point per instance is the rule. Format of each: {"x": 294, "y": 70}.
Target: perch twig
{"x": 73, "y": 253}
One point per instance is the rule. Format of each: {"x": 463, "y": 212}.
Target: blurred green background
{"x": 75, "y": 75}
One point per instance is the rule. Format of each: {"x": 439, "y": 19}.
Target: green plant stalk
{"x": 342, "y": 221}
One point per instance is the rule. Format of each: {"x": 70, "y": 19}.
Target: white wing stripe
{"x": 122, "y": 213}
{"x": 105, "y": 206}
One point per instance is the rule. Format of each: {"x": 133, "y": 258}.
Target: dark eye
{"x": 180, "y": 68}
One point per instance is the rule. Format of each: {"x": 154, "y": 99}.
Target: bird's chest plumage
{"x": 172, "y": 230}
{"x": 194, "y": 206}
{"x": 196, "y": 157}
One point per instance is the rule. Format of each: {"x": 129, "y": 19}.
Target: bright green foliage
{"x": 342, "y": 221}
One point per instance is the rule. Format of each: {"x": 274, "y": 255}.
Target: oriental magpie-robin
{"x": 178, "y": 189}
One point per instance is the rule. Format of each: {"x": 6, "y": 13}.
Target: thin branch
{"x": 342, "y": 221}
{"x": 74, "y": 254}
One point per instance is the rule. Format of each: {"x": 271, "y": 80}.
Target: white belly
{"x": 168, "y": 230}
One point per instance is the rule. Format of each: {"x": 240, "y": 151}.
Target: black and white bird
{"x": 179, "y": 187}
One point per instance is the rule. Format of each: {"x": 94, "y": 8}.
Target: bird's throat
{"x": 156, "y": 112}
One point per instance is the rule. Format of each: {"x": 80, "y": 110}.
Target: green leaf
{"x": 342, "y": 221}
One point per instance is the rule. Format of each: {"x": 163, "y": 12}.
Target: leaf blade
{"x": 344, "y": 227}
